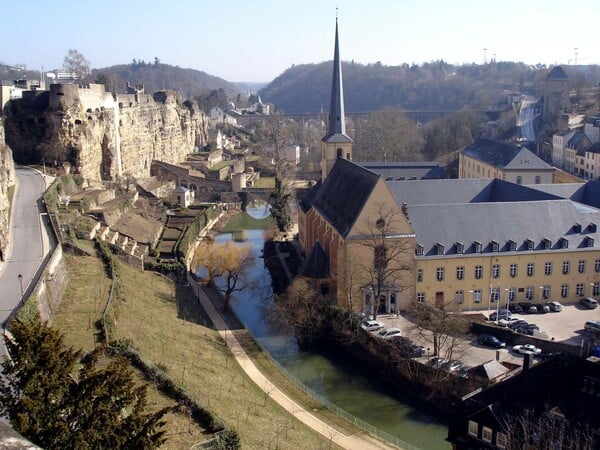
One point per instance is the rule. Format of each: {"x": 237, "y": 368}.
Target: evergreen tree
{"x": 54, "y": 406}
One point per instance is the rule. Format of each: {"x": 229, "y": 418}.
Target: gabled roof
{"x": 504, "y": 155}
{"x": 317, "y": 264}
{"x": 557, "y": 73}
{"x": 344, "y": 193}
{"x": 579, "y": 140}
{"x": 491, "y": 370}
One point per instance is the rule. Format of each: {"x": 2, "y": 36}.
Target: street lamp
{"x": 21, "y": 284}
{"x": 507, "y": 298}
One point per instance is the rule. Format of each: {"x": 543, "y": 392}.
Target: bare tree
{"x": 75, "y": 62}
{"x": 275, "y": 135}
{"x": 445, "y": 327}
{"x": 229, "y": 262}
{"x": 388, "y": 135}
{"x": 391, "y": 254}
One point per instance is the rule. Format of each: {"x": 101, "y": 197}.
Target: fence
{"x": 334, "y": 408}
{"x": 107, "y": 328}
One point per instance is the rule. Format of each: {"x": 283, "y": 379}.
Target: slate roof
{"x": 469, "y": 223}
{"x": 594, "y": 148}
{"x": 491, "y": 370}
{"x": 407, "y": 170}
{"x": 586, "y": 193}
{"x": 344, "y": 193}
{"x": 505, "y": 155}
{"x": 317, "y": 264}
{"x": 579, "y": 140}
{"x": 557, "y": 73}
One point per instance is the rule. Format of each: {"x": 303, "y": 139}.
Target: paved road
{"x": 29, "y": 243}
{"x": 526, "y": 117}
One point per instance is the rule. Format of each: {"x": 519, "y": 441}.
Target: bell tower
{"x": 336, "y": 143}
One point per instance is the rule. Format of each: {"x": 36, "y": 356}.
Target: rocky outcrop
{"x": 103, "y": 135}
{"x": 7, "y": 179}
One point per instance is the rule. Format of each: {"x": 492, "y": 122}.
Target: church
{"x": 379, "y": 244}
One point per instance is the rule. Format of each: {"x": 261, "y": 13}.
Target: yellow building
{"x": 378, "y": 243}
{"x": 485, "y": 158}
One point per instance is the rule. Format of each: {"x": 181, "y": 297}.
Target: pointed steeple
{"x": 337, "y": 123}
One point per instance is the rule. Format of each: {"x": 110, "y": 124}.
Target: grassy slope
{"x": 170, "y": 333}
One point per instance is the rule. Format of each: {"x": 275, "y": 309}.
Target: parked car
{"x": 554, "y": 306}
{"x": 507, "y": 322}
{"x": 500, "y": 314}
{"x": 451, "y": 366}
{"x": 588, "y": 303}
{"x": 372, "y": 325}
{"x": 542, "y": 308}
{"x": 592, "y": 327}
{"x": 517, "y": 324}
{"x": 527, "y": 349}
{"x": 415, "y": 351}
{"x": 515, "y": 308}
{"x": 389, "y": 333}
{"x": 435, "y": 362}
{"x": 490, "y": 341}
{"x": 528, "y": 308}
{"x": 527, "y": 329}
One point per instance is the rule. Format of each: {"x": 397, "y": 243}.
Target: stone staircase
{"x": 125, "y": 243}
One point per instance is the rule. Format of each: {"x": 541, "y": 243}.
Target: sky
{"x": 257, "y": 40}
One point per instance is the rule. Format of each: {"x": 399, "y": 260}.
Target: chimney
{"x": 527, "y": 361}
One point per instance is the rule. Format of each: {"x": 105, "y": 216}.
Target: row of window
{"x": 487, "y": 434}
{"x": 546, "y": 244}
{"x": 513, "y": 270}
{"x": 529, "y": 291}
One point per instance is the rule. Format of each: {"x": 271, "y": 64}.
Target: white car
{"x": 508, "y": 321}
{"x": 372, "y": 325}
{"x": 527, "y": 349}
{"x": 389, "y": 333}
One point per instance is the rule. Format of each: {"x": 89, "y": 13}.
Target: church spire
{"x": 337, "y": 122}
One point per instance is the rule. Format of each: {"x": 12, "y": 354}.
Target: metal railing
{"x": 325, "y": 402}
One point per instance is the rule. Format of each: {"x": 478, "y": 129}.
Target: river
{"x": 331, "y": 375}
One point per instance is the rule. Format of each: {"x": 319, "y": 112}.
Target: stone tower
{"x": 336, "y": 144}
{"x": 556, "y": 96}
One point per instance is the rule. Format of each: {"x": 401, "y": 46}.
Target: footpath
{"x": 212, "y": 305}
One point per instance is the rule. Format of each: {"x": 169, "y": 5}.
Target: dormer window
{"x": 460, "y": 248}
{"x": 439, "y": 249}
{"x": 512, "y": 246}
{"x": 589, "y": 241}
{"x": 577, "y": 228}
{"x": 546, "y": 244}
{"x": 477, "y": 246}
{"x": 530, "y": 244}
{"x": 419, "y": 250}
{"x": 564, "y": 243}
{"x": 495, "y": 246}
{"x": 592, "y": 227}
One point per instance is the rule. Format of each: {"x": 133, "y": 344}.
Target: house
{"x": 182, "y": 196}
{"x": 553, "y": 404}
{"x": 218, "y": 116}
{"x": 506, "y": 161}
{"x": 592, "y": 128}
{"x": 455, "y": 244}
{"x": 559, "y": 144}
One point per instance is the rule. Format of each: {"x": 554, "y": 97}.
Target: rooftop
{"x": 504, "y": 155}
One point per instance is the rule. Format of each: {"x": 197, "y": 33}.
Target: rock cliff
{"x": 103, "y": 135}
{"x": 7, "y": 179}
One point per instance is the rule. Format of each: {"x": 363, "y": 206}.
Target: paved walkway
{"x": 359, "y": 441}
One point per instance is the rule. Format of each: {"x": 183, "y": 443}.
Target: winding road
{"x": 29, "y": 242}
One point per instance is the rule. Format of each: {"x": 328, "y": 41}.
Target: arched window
{"x": 538, "y": 179}
{"x": 339, "y": 153}
{"x": 519, "y": 179}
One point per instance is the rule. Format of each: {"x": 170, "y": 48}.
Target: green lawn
{"x": 167, "y": 328}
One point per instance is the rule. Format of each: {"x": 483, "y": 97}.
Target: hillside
{"x": 435, "y": 86}
{"x": 156, "y": 77}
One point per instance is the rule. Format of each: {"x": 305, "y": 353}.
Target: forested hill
{"x": 158, "y": 76}
{"x": 436, "y": 86}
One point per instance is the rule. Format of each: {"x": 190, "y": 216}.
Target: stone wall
{"x": 103, "y": 135}
{"x": 7, "y": 179}
{"x": 51, "y": 286}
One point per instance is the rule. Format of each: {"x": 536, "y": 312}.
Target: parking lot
{"x": 565, "y": 326}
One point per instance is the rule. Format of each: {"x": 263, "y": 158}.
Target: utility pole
{"x": 484, "y": 55}
{"x": 576, "y": 48}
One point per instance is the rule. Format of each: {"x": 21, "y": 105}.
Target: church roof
{"x": 344, "y": 193}
{"x": 557, "y": 73}
{"x": 406, "y": 170}
{"x": 336, "y": 128}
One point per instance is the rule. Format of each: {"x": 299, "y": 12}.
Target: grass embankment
{"x": 170, "y": 333}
